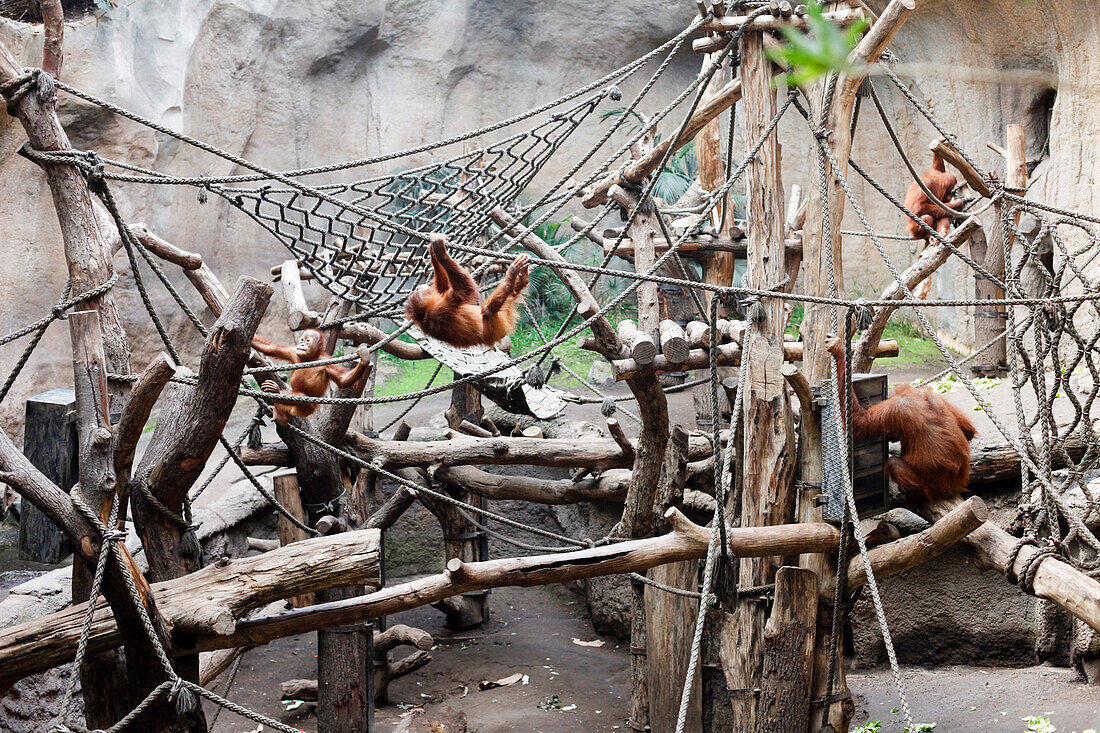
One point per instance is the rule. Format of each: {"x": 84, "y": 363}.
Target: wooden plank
{"x": 50, "y": 443}
{"x": 285, "y": 486}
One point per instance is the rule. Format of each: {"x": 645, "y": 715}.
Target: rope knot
{"x": 864, "y": 314}
{"x": 15, "y": 89}
{"x": 608, "y": 407}
{"x": 94, "y": 172}
{"x": 615, "y": 93}
{"x": 114, "y": 535}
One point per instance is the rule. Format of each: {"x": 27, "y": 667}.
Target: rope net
{"x": 377, "y": 262}
{"x": 365, "y": 242}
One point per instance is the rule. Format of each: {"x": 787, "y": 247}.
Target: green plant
{"x": 1039, "y": 724}
{"x": 871, "y": 726}
{"x": 822, "y": 50}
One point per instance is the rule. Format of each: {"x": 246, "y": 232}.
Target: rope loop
{"x": 15, "y": 89}
{"x": 114, "y": 535}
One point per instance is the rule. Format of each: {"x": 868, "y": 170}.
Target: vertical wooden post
{"x": 50, "y": 442}
{"x": 769, "y": 450}
{"x": 990, "y": 321}
{"x": 789, "y": 653}
{"x": 718, "y": 267}
{"x": 461, "y": 538}
{"x": 345, "y": 676}
{"x": 284, "y": 483}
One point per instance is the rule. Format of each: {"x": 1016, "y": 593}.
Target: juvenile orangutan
{"x": 934, "y": 434}
{"x": 942, "y": 184}
{"x": 311, "y": 381}
{"x": 450, "y": 308}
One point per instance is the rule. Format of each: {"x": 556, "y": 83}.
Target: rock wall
{"x": 290, "y": 84}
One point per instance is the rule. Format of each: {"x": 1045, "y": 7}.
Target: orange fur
{"x": 311, "y": 381}
{"x": 941, "y": 183}
{"x": 451, "y": 310}
{"x": 934, "y": 434}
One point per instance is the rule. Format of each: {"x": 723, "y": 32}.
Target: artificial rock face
{"x": 290, "y": 85}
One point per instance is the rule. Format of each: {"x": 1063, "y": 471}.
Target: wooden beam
{"x": 951, "y": 155}
{"x": 908, "y": 552}
{"x": 209, "y": 601}
{"x": 928, "y": 262}
{"x": 1055, "y": 580}
{"x": 728, "y": 355}
{"x": 639, "y": 169}
{"x": 789, "y": 652}
{"x": 730, "y": 23}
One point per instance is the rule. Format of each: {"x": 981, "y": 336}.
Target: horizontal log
{"x": 730, "y": 23}
{"x": 210, "y": 601}
{"x": 364, "y": 333}
{"x": 728, "y": 355}
{"x": 611, "y": 485}
{"x": 597, "y": 453}
{"x": 1055, "y": 579}
{"x": 686, "y": 541}
{"x": 996, "y": 463}
{"x": 908, "y": 552}
{"x": 699, "y": 245}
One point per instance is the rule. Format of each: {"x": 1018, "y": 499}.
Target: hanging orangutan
{"x": 450, "y": 309}
{"x": 942, "y": 184}
{"x": 934, "y": 434}
{"x": 311, "y": 381}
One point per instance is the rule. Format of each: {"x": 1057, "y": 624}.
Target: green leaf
{"x": 821, "y": 50}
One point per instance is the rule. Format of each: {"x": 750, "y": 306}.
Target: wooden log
{"x": 189, "y": 428}
{"x": 950, "y": 155}
{"x": 50, "y": 444}
{"x": 728, "y": 355}
{"x": 586, "y": 303}
{"x": 1055, "y": 580}
{"x": 402, "y": 635}
{"x": 908, "y": 552}
{"x": 674, "y": 343}
{"x": 616, "y": 432}
{"x": 686, "y": 541}
{"x": 211, "y": 601}
{"x": 262, "y": 544}
{"x": 477, "y": 431}
{"x": 640, "y": 345}
{"x": 928, "y": 262}
{"x": 800, "y": 386}
{"x": 365, "y": 333}
{"x": 698, "y": 335}
{"x": 768, "y": 448}
{"x": 789, "y": 652}
{"x": 611, "y": 485}
{"x": 284, "y": 486}
{"x": 639, "y": 169}
{"x": 730, "y": 23}
{"x": 699, "y": 246}
{"x": 202, "y": 278}
{"x": 297, "y": 310}
{"x": 388, "y": 514}
{"x": 135, "y": 415}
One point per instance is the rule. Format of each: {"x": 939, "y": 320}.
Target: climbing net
{"x": 364, "y": 241}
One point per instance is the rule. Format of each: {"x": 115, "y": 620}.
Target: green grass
{"x": 411, "y": 376}
{"x": 912, "y": 347}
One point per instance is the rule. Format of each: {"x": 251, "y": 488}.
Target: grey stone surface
{"x": 290, "y": 85}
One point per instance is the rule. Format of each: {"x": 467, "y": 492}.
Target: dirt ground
{"x": 532, "y": 632}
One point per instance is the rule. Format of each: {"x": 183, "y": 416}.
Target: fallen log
{"x": 209, "y": 601}
{"x": 1054, "y": 579}
{"x": 995, "y": 463}
{"x": 611, "y": 485}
